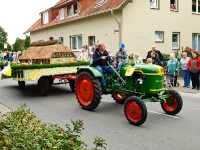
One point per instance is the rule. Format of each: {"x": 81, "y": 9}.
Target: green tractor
{"x": 137, "y": 85}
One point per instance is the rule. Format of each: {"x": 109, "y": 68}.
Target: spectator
{"x": 173, "y": 65}
{"x": 90, "y": 57}
{"x": 130, "y": 59}
{"x": 186, "y": 74}
{"x": 194, "y": 68}
{"x": 100, "y": 58}
{"x": 83, "y": 55}
{"x": 149, "y": 60}
{"x": 153, "y": 49}
{"x": 155, "y": 59}
{"x": 138, "y": 59}
{"x": 90, "y": 47}
{"x": 120, "y": 56}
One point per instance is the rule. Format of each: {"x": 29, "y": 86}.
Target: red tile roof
{"x": 87, "y": 9}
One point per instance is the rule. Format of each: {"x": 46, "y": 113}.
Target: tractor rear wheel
{"x": 173, "y": 104}
{"x": 135, "y": 110}
{"x": 119, "y": 97}
{"x": 88, "y": 90}
{"x": 72, "y": 85}
{"x": 21, "y": 84}
{"x": 43, "y": 86}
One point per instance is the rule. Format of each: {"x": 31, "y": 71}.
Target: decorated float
{"x": 44, "y": 62}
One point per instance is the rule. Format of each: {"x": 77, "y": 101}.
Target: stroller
{"x": 169, "y": 80}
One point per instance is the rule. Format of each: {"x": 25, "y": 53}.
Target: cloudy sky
{"x": 17, "y": 16}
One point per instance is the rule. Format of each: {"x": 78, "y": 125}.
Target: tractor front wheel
{"x": 43, "y": 86}
{"x": 119, "y": 97}
{"x": 173, "y": 104}
{"x": 135, "y": 110}
{"x": 88, "y": 90}
{"x": 21, "y": 84}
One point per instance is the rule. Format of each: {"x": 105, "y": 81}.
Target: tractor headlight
{"x": 139, "y": 81}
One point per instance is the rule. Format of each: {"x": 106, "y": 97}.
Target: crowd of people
{"x": 10, "y": 56}
{"x": 99, "y": 56}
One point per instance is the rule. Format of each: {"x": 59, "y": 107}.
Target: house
{"x": 47, "y": 53}
{"x": 139, "y": 24}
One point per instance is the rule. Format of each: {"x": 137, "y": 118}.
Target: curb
{"x": 3, "y": 110}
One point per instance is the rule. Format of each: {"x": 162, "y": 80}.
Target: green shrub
{"x": 22, "y": 129}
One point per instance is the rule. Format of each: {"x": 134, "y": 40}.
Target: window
{"x": 75, "y": 7}
{"x": 175, "y": 40}
{"x": 100, "y": 3}
{"x": 195, "y": 6}
{"x": 196, "y": 42}
{"x": 45, "y": 17}
{"x": 154, "y": 4}
{"x": 72, "y": 10}
{"x": 76, "y": 42}
{"x": 69, "y": 11}
{"x": 159, "y": 36}
{"x": 61, "y": 13}
{"x": 174, "y": 5}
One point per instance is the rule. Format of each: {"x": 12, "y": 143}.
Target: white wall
{"x": 140, "y": 23}
{"x": 101, "y": 26}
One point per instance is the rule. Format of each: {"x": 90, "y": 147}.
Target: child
{"x": 149, "y": 60}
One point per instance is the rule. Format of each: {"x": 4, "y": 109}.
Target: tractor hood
{"x": 149, "y": 69}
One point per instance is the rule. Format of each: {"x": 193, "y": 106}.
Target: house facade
{"x": 139, "y": 24}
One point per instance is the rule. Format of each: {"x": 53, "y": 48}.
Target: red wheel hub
{"x": 171, "y": 103}
{"x": 85, "y": 91}
{"x": 119, "y": 96}
{"x": 133, "y": 111}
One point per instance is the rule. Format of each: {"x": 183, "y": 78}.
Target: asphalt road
{"x": 159, "y": 132}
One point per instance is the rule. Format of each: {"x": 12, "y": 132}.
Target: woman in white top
{"x": 186, "y": 74}
{"x": 138, "y": 59}
{"x": 83, "y": 55}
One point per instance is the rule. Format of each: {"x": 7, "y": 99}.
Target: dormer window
{"x": 72, "y": 10}
{"x": 45, "y": 17}
{"x": 69, "y": 11}
{"x": 61, "y": 13}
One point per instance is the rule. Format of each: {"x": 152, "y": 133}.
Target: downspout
{"x": 118, "y": 24}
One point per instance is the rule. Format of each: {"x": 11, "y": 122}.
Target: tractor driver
{"x": 100, "y": 58}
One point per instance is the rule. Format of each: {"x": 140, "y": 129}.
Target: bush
{"x": 22, "y": 129}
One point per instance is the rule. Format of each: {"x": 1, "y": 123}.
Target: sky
{"x": 16, "y": 16}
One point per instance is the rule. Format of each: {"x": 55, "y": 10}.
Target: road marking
{"x": 154, "y": 112}
{"x": 163, "y": 114}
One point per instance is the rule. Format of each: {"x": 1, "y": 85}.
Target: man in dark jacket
{"x": 100, "y": 58}
{"x": 155, "y": 51}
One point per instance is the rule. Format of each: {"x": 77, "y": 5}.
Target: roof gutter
{"x": 119, "y": 24}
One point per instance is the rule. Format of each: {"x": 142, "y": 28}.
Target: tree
{"x": 9, "y": 47}
{"x": 17, "y": 45}
{"x": 27, "y": 42}
{"x": 3, "y": 37}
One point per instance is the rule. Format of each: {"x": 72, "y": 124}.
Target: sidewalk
{"x": 3, "y": 110}
{"x": 185, "y": 89}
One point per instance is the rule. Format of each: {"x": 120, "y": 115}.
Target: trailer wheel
{"x": 21, "y": 84}
{"x": 173, "y": 104}
{"x": 135, "y": 110}
{"x": 119, "y": 97}
{"x": 43, "y": 86}
{"x": 88, "y": 90}
{"x": 72, "y": 85}
{"x": 51, "y": 80}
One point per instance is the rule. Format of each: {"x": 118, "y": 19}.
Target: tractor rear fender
{"x": 93, "y": 70}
